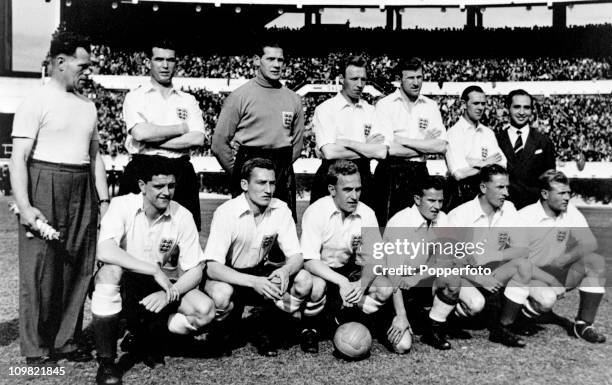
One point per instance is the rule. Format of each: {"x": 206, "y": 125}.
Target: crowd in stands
{"x": 327, "y": 68}
{"x": 576, "y": 123}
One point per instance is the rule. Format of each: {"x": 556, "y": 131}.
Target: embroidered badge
{"x": 366, "y": 129}
{"x": 182, "y": 113}
{"x": 502, "y": 239}
{"x": 484, "y": 152}
{"x": 165, "y": 245}
{"x": 356, "y": 242}
{"x": 561, "y": 235}
{"x": 423, "y": 123}
{"x": 287, "y": 118}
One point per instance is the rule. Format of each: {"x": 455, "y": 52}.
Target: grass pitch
{"x": 551, "y": 357}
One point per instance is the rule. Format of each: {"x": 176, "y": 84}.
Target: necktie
{"x": 518, "y": 145}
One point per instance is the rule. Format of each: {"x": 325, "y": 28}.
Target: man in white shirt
{"x": 471, "y": 146}
{"x": 163, "y": 121}
{"x": 552, "y": 221}
{"x": 332, "y": 235}
{"x": 138, "y": 236}
{"x": 342, "y": 128}
{"x": 413, "y": 129}
{"x": 242, "y": 233}
{"x": 496, "y": 225}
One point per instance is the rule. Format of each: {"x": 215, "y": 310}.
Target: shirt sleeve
{"x": 287, "y": 234}
{"x": 195, "y": 122}
{"x": 324, "y": 128}
{"x": 437, "y": 123}
{"x": 189, "y": 243}
{"x": 113, "y": 224}
{"x": 382, "y": 122}
{"x": 132, "y": 111}
{"x": 219, "y": 239}
{"x": 28, "y": 119}
{"x": 229, "y": 118}
{"x": 455, "y": 154}
{"x": 311, "y": 241}
{"x": 297, "y": 134}
{"x": 580, "y": 229}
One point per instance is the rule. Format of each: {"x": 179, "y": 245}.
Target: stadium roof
{"x": 379, "y": 3}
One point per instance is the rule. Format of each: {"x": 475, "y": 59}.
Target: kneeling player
{"x": 243, "y": 231}
{"x": 138, "y": 235}
{"x": 331, "y": 240}
{"x": 578, "y": 266}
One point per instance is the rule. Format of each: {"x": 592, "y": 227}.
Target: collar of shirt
{"x": 541, "y": 215}
{"x": 342, "y": 102}
{"x": 244, "y": 208}
{"x": 414, "y": 210}
{"x": 467, "y": 125}
{"x": 477, "y": 212}
{"x": 399, "y": 95}
{"x": 150, "y": 87}
{"x": 141, "y": 208}
{"x": 512, "y": 132}
{"x": 331, "y": 208}
{"x": 260, "y": 80}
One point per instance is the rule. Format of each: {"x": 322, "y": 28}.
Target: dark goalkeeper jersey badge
{"x": 182, "y": 113}
{"x": 287, "y": 117}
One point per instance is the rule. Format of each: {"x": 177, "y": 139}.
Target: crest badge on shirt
{"x": 561, "y": 235}
{"x": 484, "y": 152}
{"x": 287, "y": 118}
{"x": 182, "y": 113}
{"x": 366, "y": 129}
{"x": 423, "y": 123}
{"x": 502, "y": 239}
{"x": 165, "y": 245}
{"x": 356, "y": 242}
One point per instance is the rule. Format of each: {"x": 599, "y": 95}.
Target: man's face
{"x": 430, "y": 203}
{"x": 412, "y": 82}
{"x": 355, "y": 80}
{"x": 260, "y": 187}
{"x": 496, "y": 190}
{"x": 76, "y": 69}
{"x": 557, "y": 197}
{"x": 475, "y": 106}
{"x": 520, "y": 110}
{"x": 158, "y": 192}
{"x": 163, "y": 64}
{"x": 346, "y": 192}
{"x": 271, "y": 63}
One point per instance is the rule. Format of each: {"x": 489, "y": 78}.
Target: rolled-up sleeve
{"x": 114, "y": 223}
{"x": 219, "y": 239}
{"x": 132, "y": 110}
{"x": 311, "y": 241}
{"x": 191, "y": 253}
{"x": 287, "y": 234}
{"x": 195, "y": 122}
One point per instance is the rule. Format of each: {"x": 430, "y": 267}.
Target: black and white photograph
{"x": 305, "y": 192}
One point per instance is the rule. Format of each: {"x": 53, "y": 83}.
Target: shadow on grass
{"x": 9, "y": 332}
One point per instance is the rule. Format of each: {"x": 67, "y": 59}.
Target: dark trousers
{"x": 54, "y": 275}
{"x": 282, "y": 158}
{"x": 460, "y": 191}
{"x": 320, "y": 187}
{"x": 187, "y": 187}
{"x": 396, "y": 181}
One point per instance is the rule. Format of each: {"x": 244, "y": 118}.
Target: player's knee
{"x": 473, "y": 304}
{"x": 405, "y": 343}
{"x": 595, "y": 263}
{"x": 109, "y": 274}
{"x": 203, "y": 313}
{"x": 302, "y": 284}
{"x": 222, "y": 295}
{"x": 544, "y": 301}
{"x": 524, "y": 270}
{"x": 318, "y": 289}
{"x": 384, "y": 289}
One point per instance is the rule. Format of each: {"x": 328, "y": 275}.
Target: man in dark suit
{"x": 529, "y": 153}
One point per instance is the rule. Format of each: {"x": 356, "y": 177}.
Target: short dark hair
{"x": 436, "y": 182}
{"x": 251, "y": 164}
{"x": 490, "y": 170}
{"x": 66, "y": 43}
{"x": 163, "y": 43}
{"x": 408, "y": 64}
{"x": 340, "y": 167}
{"x": 265, "y": 43}
{"x": 354, "y": 60}
{"x": 518, "y": 92}
{"x": 465, "y": 95}
{"x": 156, "y": 165}
{"x": 549, "y": 177}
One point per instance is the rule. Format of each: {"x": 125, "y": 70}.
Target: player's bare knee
{"x": 203, "y": 313}
{"x": 405, "y": 343}
{"x": 524, "y": 270}
{"x": 302, "y": 284}
{"x": 222, "y": 295}
{"x": 544, "y": 301}
{"x": 384, "y": 292}
{"x": 474, "y": 304}
{"x": 109, "y": 275}
{"x": 318, "y": 289}
{"x": 595, "y": 263}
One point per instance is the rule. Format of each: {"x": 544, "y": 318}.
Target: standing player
{"x": 56, "y": 170}
{"x": 342, "y": 127}
{"x": 579, "y": 266}
{"x": 163, "y": 121}
{"x": 242, "y": 233}
{"x": 528, "y": 152}
{"x": 138, "y": 235}
{"x": 331, "y": 241}
{"x": 264, "y": 119}
{"x": 471, "y": 146}
{"x": 496, "y": 224}
{"x": 412, "y": 127}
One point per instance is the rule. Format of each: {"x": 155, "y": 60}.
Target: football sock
{"x": 106, "y": 330}
{"x": 589, "y": 302}
{"x": 442, "y": 307}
